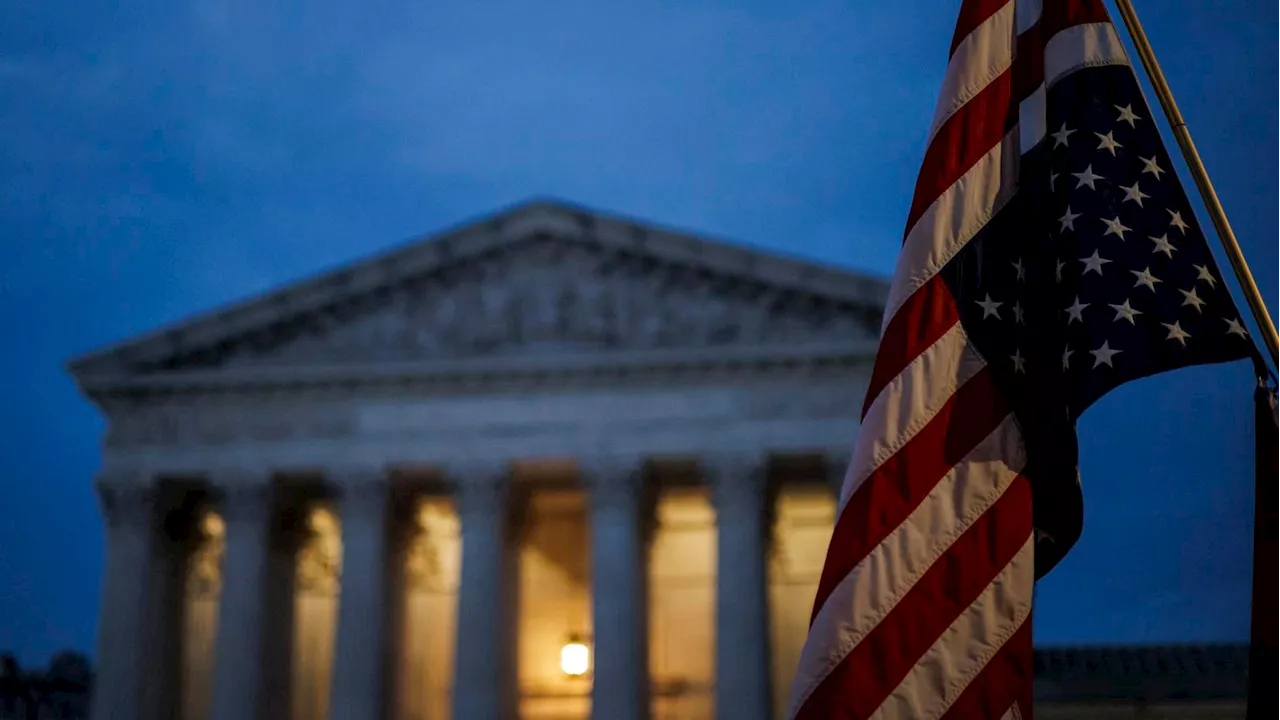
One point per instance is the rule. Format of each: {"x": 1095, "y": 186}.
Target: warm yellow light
{"x": 574, "y": 658}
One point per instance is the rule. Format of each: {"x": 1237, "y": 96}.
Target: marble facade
{"x": 396, "y": 490}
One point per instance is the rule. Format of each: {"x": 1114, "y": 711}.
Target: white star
{"x": 1076, "y": 311}
{"x": 1060, "y": 137}
{"x": 1146, "y": 278}
{"x": 1066, "y": 358}
{"x": 1190, "y": 298}
{"x": 1108, "y": 143}
{"x": 1126, "y": 115}
{"x": 989, "y": 307}
{"x": 1175, "y": 220}
{"x": 1126, "y": 312}
{"x": 1177, "y": 333}
{"x": 1068, "y": 221}
{"x": 1057, "y": 271}
{"x": 1019, "y": 362}
{"x": 1053, "y": 177}
{"x": 1094, "y": 263}
{"x": 1103, "y": 355}
{"x": 1150, "y": 166}
{"x": 1017, "y": 313}
{"x": 1204, "y": 274}
{"x": 1115, "y": 227}
{"x": 1235, "y": 328}
{"x": 1163, "y": 245}
{"x": 1022, "y": 272}
{"x": 1134, "y": 194}
{"x": 1086, "y": 178}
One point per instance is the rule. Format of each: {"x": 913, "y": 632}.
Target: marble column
{"x": 129, "y": 511}
{"x": 238, "y": 649}
{"x": 620, "y": 673}
{"x": 359, "y": 674}
{"x": 740, "y": 495}
{"x": 483, "y": 682}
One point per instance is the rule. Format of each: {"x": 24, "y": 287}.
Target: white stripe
{"x": 863, "y": 597}
{"x": 908, "y": 402}
{"x": 1031, "y": 119}
{"x": 1082, "y": 46}
{"x": 955, "y": 658}
{"x": 1027, "y": 14}
{"x": 953, "y": 219}
{"x": 979, "y": 58}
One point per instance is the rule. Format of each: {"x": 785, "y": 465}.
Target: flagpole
{"x": 1192, "y": 157}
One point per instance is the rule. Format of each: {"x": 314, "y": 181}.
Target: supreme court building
{"x": 550, "y": 464}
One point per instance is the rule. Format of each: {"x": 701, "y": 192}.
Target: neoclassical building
{"x": 549, "y": 464}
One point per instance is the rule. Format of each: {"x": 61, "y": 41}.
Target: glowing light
{"x": 575, "y": 658}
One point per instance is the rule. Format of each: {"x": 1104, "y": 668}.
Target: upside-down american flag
{"x": 1050, "y": 255}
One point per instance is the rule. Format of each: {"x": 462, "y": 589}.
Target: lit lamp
{"x": 575, "y": 658}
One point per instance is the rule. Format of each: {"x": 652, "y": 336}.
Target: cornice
{"x": 484, "y": 374}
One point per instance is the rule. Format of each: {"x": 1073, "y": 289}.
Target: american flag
{"x": 1050, "y": 255}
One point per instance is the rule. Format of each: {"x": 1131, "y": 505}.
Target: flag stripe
{"x": 930, "y": 313}
{"x": 1080, "y": 47}
{"x": 1027, "y": 14}
{"x": 871, "y": 589}
{"x": 1005, "y": 680}
{"x": 966, "y": 137}
{"x": 978, "y": 60}
{"x": 911, "y": 401}
{"x": 953, "y": 219}
{"x": 897, "y": 486}
{"x": 973, "y": 13}
{"x": 961, "y": 652}
{"x": 876, "y": 665}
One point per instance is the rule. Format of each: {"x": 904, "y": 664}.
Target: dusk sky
{"x": 161, "y": 159}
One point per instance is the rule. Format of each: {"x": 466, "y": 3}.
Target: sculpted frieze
{"x": 545, "y": 294}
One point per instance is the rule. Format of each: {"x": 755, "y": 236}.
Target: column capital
{"x": 612, "y": 482}
{"x": 123, "y": 503}
{"x": 362, "y": 489}
{"x": 480, "y": 488}
{"x": 243, "y": 502}
{"x": 737, "y": 480}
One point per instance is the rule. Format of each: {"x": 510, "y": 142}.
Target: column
{"x": 739, "y": 493}
{"x": 483, "y": 670}
{"x": 619, "y": 688}
{"x": 129, "y": 511}
{"x": 360, "y": 664}
{"x": 837, "y": 464}
{"x": 237, "y": 661}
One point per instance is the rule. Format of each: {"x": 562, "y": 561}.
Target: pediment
{"x": 537, "y": 282}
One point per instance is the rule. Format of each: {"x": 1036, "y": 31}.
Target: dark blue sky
{"x": 165, "y": 158}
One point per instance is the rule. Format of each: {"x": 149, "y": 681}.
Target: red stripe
{"x": 926, "y": 316}
{"x": 980, "y": 124}
{"x": 898, "y": 486}
{"x": 862, "y": 681}
{"x": 972, "y": 14}
{"x": 1008, "y": 677}
{"x": 1055, "y": 17}
{"x": 964, "y": 139}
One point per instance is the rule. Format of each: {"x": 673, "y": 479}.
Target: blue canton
{"x": 1093, "y": 274}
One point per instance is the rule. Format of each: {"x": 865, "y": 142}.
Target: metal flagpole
{"x": 1216, "y": 213}
{"x": 1262, "y": 696}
